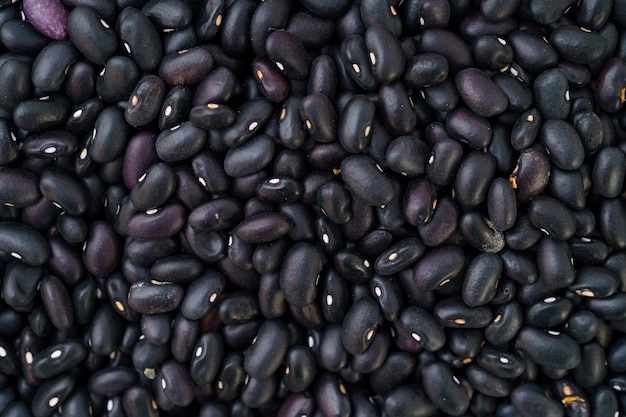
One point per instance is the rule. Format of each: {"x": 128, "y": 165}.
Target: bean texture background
{"x": 312, "y": 208}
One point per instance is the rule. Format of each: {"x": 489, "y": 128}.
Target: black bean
{"x": 552, "y": 218}
{"x": 298, "y": 282}
{"x": 207, "y": 357}
{"x": 363, "y": 178}
{"x": 444, "y": 389}
{"x": 466, "y": 126}
{"x": 530, "y": 398}
{"x": 360, "y": 325}
{"x": 481, "y": 233}
{"x": 548, "y": 347}
{"x": 184, "y": 335}
{"x": 473, "y": 178}
{"x": 438, "y": 267}
{"x": 385, "y": 53}
{"x": 42, "y": 114}
{"x": 176, "y": 383}
{"x": 480, "y": 93}
{"x": 86, "y": 28}
{"x": 399, "y": 256}
{"x": 51, "y": 394}
{"x": 332, "y": 396}
{"x": 230, "y": 378}
{"x": 593, "y": 366}
{"x": 501, "y": 204}
{"x": 552, "y": 94}
{"x": 155, "y": 297}
{"x": 137, "y": 401}
{"x": 22, "y": 37}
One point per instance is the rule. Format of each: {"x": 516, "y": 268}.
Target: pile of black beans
{"x": 398, "y": 208}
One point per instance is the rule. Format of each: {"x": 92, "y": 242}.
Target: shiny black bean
{"x": 230, "y": 378}
{"x": 42, "y": 114}
{"x": 250, "y": 157}
{"x": 157, "y": 328}
{"x": 355, "y": 59}
{"x": 399, "y": 256}
{"x": 334, "y": 201}
{"x": 364, "y": 179}
{"x": 140, "y": 39}
{"x": 202, "y": 294}
{"x": 501, "y": 204}
{"x": 360, "y": 325}
{"x": 322, "y": 76}
{"x": 137, "y": 401}
{"x": 65, "y": 191}
{"x": 443, "y": 162}
{"x": 500, "y": 362}
{"x": 111, "y": 381}
{"x": 444, "y": 389}
{"x": 549, "y": 312}
{"x": 269, "y": 347}
{"x": 408, "y": 156}
{"x": 87, "y": 28}
{"x": 301, "y": 368}
{"x": 531, "y": 174}
{"x": 51, "y": 65}
{"x": 552, "y": 96}
{"x": 332, "y": 396}
{"x": 473, "y": 178}
{"x": 177, "y": 268}
{"x": 607, "y": 308}
{"x": 453, "y": 312}
{"x": 14, "y": 78}
{"x": 570, "y": 40}
{"x": 264, "y": 227}
{"x": 480, "y": 232}
{"x": 423, "y": 328}
{"x": 78, "y": 403}
{"x": 564, "y": 146}
{"x": 612, "y": 218}
{"x": 593, "y": 366}
{"x": 594, "y": 281}
{"x": 168, "y": 14}
{"x": 532, "y": 51}
{"x": 425, "y": 69}
{"x": 176, "y": 383}
{"x": 395, "y": 104}
{"x": 251, "y": 117}
{"x": 530, "y": 398}
{"x": 319, "y": 117}
{"x": 355, "y": 124}
{"x": 57, "y": 302}
{"x": 207, "y": 357}
{"x": 51, "y": 394}
{"x": 299, "y": 283}
{"x": 608, "y": 172}
{"x": 466, "y": 126}
{"x": 548, "y": 347}
{"x": 19, "y": 187}
{"x": 438, "y": 267}
{"x": 480, "y": 93}
{"x": 22, "y": 37}
{"x": 552, "y": 217}
{"x": 481, "y": 279}
{"x": 385, "y": 53}
{"x": 51, "y": 144}
{"x": 184, "y": 335}
{"x": 271, "y": 82}
{"x": 518, "y": 93}
{"x": 155, "y": 297}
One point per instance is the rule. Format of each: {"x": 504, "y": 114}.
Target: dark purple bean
{"x": 438, "y": 267}
{"x": 250, "y": 157}
{"x": 331, "y": 354}
{"x": 444, "y": 389}
{"x": 334, "y": 201}
{"x": 158, "y": 223}
{"x": 51, "y": 144}
{"x": 231, "y": 377}
{"x": 299, "y": 283}
{"x": 207, "y": 357}
{"x": 480, "y": 93}
{"x": 608, "y": 172}
{"x": 186, "y": 67}
{"x": 102, "y": 249}
{"x": 86, "y": 28}
{"x": 552, "y": 218}
{"x": 322, "y": 76}
{"x": 58, "y": 359}
{"x": 158, "y": 177}
{"x": 399, "y": 256}
{"x": 51, "y": 394}
{"x": 236, "y": 27}
{"x": 319, "y": 117}
{"x": 155, "y": 297}
{"x": 531, "y": 175}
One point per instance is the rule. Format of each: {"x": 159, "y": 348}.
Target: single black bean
{"x": 332, "y": 396}
{"x": 355, "y": 61}
{"x": 385, "y": 53}
{"x": 364, "y": 179}
{"x": 51, "y": 394}
{"x": 438, "y": 267}
{"x": 43, "y": 113}
{"x": 184, "y": 335}
{"x": 178, "y": 268}
{"x": 22, "y": 37}
{"x": 473, "y": 178}
{"x": 58, "y": 359}
{"x": 529, "y": 398}
{"x": 137, "y": 401}
{"x": 112, "y": 380}
{"x": 608, "y": 172}
{"x": 563, "y": 144}
{"x": 408, "y": 156}
{"x": 444, "y": 389}
{"x": 408, "y": 400}
{"x": 86, "y": 28}
{"x": 231, "y": 377}
{"x": 501, "y": 204}
{"x": 207, "y": 357}
{"x": 202, "y": 294}
{"x": 268, "y": 349}
{"x": 548, "y": 347}
{"x": 481, "y": 233}
{"x": 251, "y": 117}
{"x": 288, "y": 54}
{"x": 481, "y": 279}
{"x": 531, "y": 174}
{"x": 425, "y": 69}
{"x": 453, "y": 312}
{"x": 466, "y": 126}
{"x": 552, "y": 96}
{"x": 569, "y": 40}
{"x": 593, "y": 365}
{"x": 299, "y": 283}
{"x": 423, "y": 328}
{"x": 155, "y": 297}
{"x": 322, "y": 76}
{"x": 19, "y": 187}
{"x": 395, "y": 104}
{"x": 176, "y": 383}
{"x": 360, "y": 325}
{"x": 355, "y": 124}
{"x": 480, "y": 93}
{"x": 552, "y": 217}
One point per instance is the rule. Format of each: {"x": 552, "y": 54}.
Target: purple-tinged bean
{"x": 51, "y": 394}
{"x": 480, "y": 93}
{"x": 102, "y": 249}
{"x": 531, "y": 175}
{"x": 57, "y": 302}
{"x": 23, "y": 243}
{"x": 158, "y": 223}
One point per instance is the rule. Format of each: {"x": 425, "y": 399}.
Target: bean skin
{"x": 480, "y": 93}
{"x": 443, "y": 389}
{"x": 50, "y": 394}
{"x": 359, "y": 326}
{"x": 363, "y": 178}
{"x": 24, "y": 243}
{"x": 155, "y": 297}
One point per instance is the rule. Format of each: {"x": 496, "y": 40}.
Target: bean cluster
{"x": 399, "y": 208}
